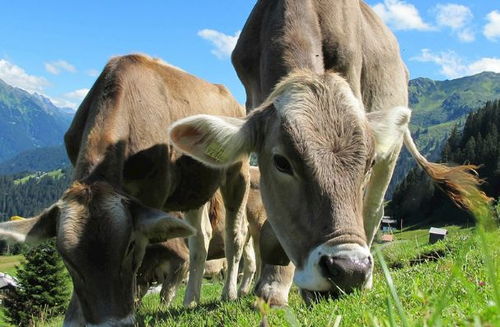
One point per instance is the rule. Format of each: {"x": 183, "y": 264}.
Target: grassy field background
{"x": 451, "y": 283}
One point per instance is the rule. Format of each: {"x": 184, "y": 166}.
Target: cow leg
{"x": 258, "y": 258}
{"x": 172, "y": 280}
{"x": 375, "y": 192}
{"x": 235, "y": 193}
{"x": 374, "y": 197}
{"x": 274, "y": 284}
{"x": 249, "y": 268}
{"x": 198, "y": 249}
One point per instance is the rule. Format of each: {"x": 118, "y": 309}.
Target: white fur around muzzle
{"x": 310, "y": 276}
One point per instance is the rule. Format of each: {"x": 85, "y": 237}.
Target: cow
{"x": 126, "y": 176}
{"x": 327, "y": 95}
{"x": 165, "y": 263}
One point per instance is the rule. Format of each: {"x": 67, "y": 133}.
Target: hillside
{"x": 477, "y": 142}
{"x": 28, "y": 194}
{"x": 29, "y": 121}
{"x": 40, "y": 159}
{"x": 437, "y": 107}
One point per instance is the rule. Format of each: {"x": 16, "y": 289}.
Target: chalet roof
{"x": 7, "y": 280}
{"x": 439, "y": 231}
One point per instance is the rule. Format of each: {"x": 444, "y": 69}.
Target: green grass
{"x": 458, "y": 287}
{"x": 55, "y": 174}
{"x": 441, "y": 290}
{"x": 8, "y": 263}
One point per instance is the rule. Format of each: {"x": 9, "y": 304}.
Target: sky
{"x": 57, "y": 48}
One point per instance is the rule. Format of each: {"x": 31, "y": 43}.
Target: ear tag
{"x": 14, "y": 218}
{"x": 215, "y": 151}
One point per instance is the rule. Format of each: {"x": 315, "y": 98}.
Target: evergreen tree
{"x": 417, "y": 201}
{"x": 43, "y": 286}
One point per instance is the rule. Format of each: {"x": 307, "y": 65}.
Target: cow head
{"x": 315, "y": 146}
{"x": 101, "y": 235}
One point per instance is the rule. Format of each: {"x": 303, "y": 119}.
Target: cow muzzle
{"x": 128, "y": 321}
{"x": 336, "y": 269}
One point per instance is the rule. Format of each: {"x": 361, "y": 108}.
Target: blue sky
{"x": 57, "y": 48}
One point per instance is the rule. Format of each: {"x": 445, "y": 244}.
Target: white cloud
{"x": 453, "y": 66}
{"x": 453, "y": 15}
{"x": 16, "y": 76}
{"x": 485, "y": 64}
{"x": 56, "y": 67}
{"x": 401, "y": 15}
{"x": 71, "y": 99}
{"x": 63, "y": 103}
{"x": 224, "y": 44}
{"x": 492, "y": 28}
{"x": 466, "y": 35}
{"x": 77, "y": 94}
{"x": 92, "y": 72}
{"x": 456, "y": 17}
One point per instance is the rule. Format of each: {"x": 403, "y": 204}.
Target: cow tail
{"x": 460, "y": 183}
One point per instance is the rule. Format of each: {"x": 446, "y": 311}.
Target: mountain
{"x": 478, "y": 142}
{"x": 39, "y": 159}
{"x": 437, "y": 107}
{"x": 29, "y": 121}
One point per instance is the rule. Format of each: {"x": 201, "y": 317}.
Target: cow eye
{"x": 282, "y": 164}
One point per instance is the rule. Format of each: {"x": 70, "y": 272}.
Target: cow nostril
{"x": 345, "y": 272}
{"x": 329, "y": 267}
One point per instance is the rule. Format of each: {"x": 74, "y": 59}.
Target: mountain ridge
{"x": 29, "y": 121}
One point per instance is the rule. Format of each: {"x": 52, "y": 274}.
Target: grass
{"x": 458, "y": 287}
{"x": 55, "y": 174}
{"x": 8, "y": 263}
{"x": 434, "y": 293}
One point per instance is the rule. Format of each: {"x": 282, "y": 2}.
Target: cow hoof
{"x": 274, "y": 298}
{"x": 242, "y": 293}
{"x": 229, "y": 297}
{"x": 190, "y": 304}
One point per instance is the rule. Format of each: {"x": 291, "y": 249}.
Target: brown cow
{"x": 119, "y": 145}
{"x": 165, "y": 263}
{"x": 331, "y": 91}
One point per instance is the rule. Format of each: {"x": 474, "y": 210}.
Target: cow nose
{"x": 345, "y": 272}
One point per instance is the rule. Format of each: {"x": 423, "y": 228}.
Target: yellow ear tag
{"x": 14, "y": 218}
{"x": 215, "y": 151}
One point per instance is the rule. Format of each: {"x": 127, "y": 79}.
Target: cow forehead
{"x": 96, "y": 218}
{"x": 324, "y": 121}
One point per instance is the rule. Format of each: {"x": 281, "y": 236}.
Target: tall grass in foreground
{"x": 487, "y": 237}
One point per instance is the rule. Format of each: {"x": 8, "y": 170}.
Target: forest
{"x": 477, "y": 143}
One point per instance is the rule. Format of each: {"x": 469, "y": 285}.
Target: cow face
{"x": 316, "y": 147}
{"x": 101, "y": 236}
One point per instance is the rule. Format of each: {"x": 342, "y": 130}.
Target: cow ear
{"x": 270, "y": 248}
{"x": 158, "y": 226}
{"x": 216, "y": 141}
{"x": 388, "y": 127}
{"x": 31, "y": 230}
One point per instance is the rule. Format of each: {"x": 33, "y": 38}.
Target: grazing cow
{"x": 330, "y": 95}
{"x": 119, "y": 146}
{"x": 165, "y": 263}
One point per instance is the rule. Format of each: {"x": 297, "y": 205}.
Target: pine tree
{"x": 43, "y": 286}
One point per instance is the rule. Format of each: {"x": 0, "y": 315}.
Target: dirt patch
{"x": 430, "y": 256}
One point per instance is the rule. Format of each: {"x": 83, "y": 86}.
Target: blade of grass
{"x": 392, "y": 288}
{"x": 390, "y": 312}
{"x": 484, "y": 217}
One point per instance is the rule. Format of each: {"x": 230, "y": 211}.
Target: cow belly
{"x": 196, "y": 185}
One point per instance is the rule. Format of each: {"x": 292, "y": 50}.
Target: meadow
{"x": 454, "y": 282}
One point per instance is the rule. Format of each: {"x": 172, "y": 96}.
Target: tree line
{"x": 418, "y": 201}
